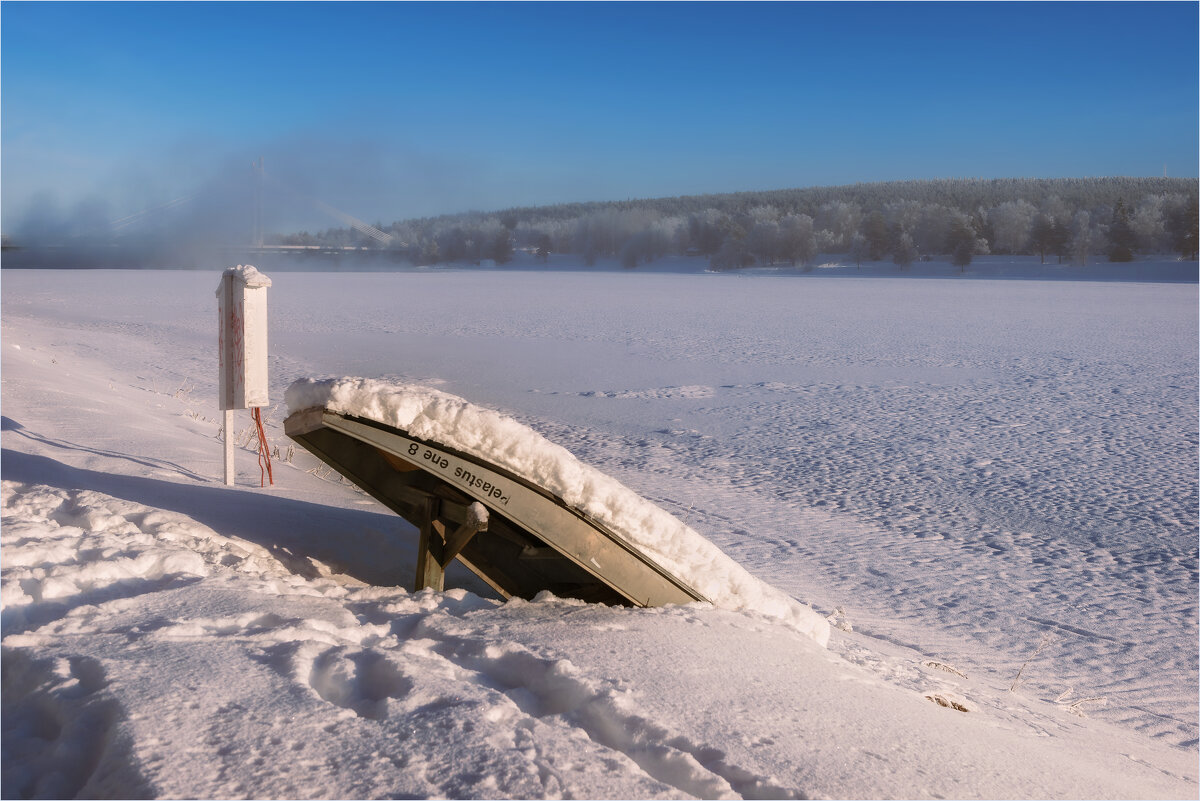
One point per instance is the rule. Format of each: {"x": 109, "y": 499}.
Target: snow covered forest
{"x": 1067, "y": 220}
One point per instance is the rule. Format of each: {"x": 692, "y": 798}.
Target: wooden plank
{"x": 477, "y": 521}
{"x": 429, "y": 549}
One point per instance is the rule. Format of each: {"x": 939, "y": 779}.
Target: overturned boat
{"x": 519, "y": 537}
{"x": 519, "y": 511}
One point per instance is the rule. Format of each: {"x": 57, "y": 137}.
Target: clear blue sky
{"x": 396, "y": 110}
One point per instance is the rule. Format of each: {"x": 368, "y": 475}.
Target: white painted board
{"x": 242, "y": 340}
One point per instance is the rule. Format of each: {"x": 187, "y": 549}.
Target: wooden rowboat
{"x": 518, "y": 537}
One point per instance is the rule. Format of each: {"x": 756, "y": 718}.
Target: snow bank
{"x": 448, "y": 420}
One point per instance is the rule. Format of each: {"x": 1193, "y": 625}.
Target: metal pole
{"x": 229, "y": 472}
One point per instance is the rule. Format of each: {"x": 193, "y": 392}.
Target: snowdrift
{"x": 437, "y": 417}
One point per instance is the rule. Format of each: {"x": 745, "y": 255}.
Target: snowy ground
{"x": 971, "y": 472}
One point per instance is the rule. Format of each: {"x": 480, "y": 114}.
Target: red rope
{"x": 264, "y": 452}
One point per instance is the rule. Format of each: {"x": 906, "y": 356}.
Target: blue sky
{"x": 392, "y": 110}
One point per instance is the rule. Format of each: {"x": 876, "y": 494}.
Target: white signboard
{"x": 242, "y": 307}
{"x": 242, "y": 348}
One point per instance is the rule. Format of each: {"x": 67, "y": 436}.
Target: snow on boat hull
{"x": 533, "y": 540}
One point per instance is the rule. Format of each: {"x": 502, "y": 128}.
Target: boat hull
{"x": 533, "y": 541}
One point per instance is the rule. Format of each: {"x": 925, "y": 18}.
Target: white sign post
{"x": 242, "y": 310}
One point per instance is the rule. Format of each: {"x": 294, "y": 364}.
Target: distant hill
{"x": 1068, "y": 219}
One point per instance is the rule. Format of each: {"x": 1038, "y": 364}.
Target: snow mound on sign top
{"x": 249, "y": 275}
{"x": 448, "y": 420}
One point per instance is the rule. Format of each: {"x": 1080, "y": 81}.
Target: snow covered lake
{"x": 990, "y": 487}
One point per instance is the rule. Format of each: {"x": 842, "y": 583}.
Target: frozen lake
{"x": 968, "y": 470}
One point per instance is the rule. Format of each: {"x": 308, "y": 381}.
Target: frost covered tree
{"x": 933, "y": 224}
{"x": 648, "y": 244}
{"x": 842, "y": 220}
{"x": 634, "y": 250}
{"x": 797, "y": 242}
{"x": 706, "y": 231}
{"x": 961, "y": 242}
{"x": 1147, "y": 221}
{"x": 1185, "y": 227}
{"x": 904, "y": 215}
{"x": 878, "y": 236}
{"x": 429, "y": 253}
{"x": 1120, "y": 235}
{"x": 906, "y": 251}
{"x": 1060, "y": 239}
{"x": 763, "y": 241}
{"x": 732, "y": 255}
{"x": 1012, "y": 224}
{"x": 984, "y": 233}
{"x": 1041, "y": 235}
{"x": 859, "y": 250}
{"x": 1082, "y": 238}
{"x": 1003, "y": 213}
{"x": 501, "y": 249}
{"x": 452, "y": 244}
{"x": 826, "y": 241}
{"x": 587, "y": 239}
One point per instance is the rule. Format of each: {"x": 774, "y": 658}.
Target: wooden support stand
{"x": 477, "y": 521}
{"x": 435, "y": 549}
{"x": 430, "y": 547}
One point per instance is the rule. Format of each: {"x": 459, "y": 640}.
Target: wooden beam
{"x": 430, "y": 547}
{"x": 477, "y": 521}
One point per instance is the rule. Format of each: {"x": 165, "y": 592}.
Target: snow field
{"x": 417, "y": 659}
{"x": 255, "y": 681}
{"x": 893, "y": 450}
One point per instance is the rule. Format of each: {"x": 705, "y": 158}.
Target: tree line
{"x": 1071, "y": 220}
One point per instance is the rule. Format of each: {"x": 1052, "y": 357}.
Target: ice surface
{"x": 958, "y": 471}
{"x": 445, "y": 419}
